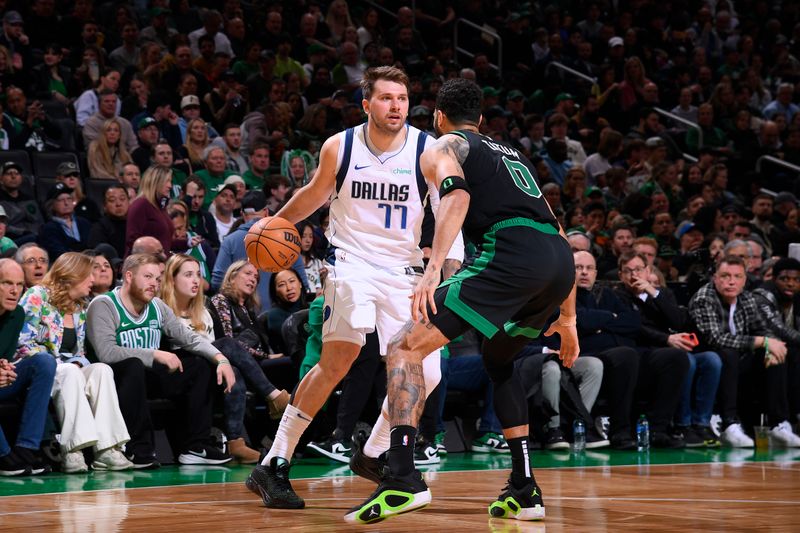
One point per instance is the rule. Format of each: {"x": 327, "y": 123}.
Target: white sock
{"x": 293, "y": 425}
{"x": 379, "y": 439}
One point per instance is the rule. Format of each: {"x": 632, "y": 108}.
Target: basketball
{"x": 272, "y": 244}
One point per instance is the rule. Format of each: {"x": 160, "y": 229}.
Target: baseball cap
{"x": 685, "y": 227}
{"x": 8, "y": 165}
{"x": 419, "y": 111}
{"x": 655, "y": 142}
{"x": 266, "y": 55}
{"x": 515, "y": 95}
{"x": 189, "y": 100}
{"x": 3, "y": 215}
{"x": 594, "y": 189}
{"x": 12, "y": 17}
{"x": 666, "y": 251}
{"x": 158, "y": 11}
{"x": 729, "y": 208}
{"x": 785, "y": 197}
{"x": 57, "y": 190}
{"x": 490, "y": 91}
{"x": 146, "y": 122}
{"x": 253, "y": 202}
{"x": 228, "y": 187}
{"x": 67, "y": 168}
{"x": 615, "y": 41}
{"x": 564, "y": 96}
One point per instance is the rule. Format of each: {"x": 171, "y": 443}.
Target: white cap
{"x": 188, "y": 100}
{"x": 615, "y": 41}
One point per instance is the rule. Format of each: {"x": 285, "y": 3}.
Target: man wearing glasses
{"x": 664, "y": 338}
{"x": 34, "y": 262}
{"x": 607, "y": 329}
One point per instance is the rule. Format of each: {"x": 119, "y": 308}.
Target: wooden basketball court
{"x": 729, "y": 496}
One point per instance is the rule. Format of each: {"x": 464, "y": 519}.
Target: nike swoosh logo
{"x": 304, "y": 418}
{"x": 363, "y": 166}
{"x": 124, "y": 324}
{"x": 199, "y": 454}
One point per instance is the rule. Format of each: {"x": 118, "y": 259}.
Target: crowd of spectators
{"x": 665, "y": 136}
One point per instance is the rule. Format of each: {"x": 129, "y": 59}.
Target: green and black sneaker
{"x": 395, "y": 495}
{"x": 520, "y": 504}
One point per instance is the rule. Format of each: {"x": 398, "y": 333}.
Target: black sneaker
{"x": 11, "y": 465}
{"x": 690, "y": 437}
{"x": 425, "y": 452}
{"x": 336, "y": 449}
{"x": 33, "y": 458}
{"x": 554, "y": 440}
{"x": 143, "y": 462}
{"x": 595, "y": 439}
{"x": 524, "y": 503}
{"x": 661, "y": 439}
{"x": 272, "y": 484}
{"x": 204, "y": 455}
{"x": 710, "y": 439}
{"x": 394, "y": 495}
{"x": 371, "y": 468}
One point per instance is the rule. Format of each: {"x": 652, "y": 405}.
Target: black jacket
{"x": 604, "y": 321}
{"x": 661, "y": 316}
{"x": 110, "y": 231}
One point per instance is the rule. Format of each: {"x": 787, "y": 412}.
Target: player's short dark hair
{"x": 460, "y": 100}
{"x": 387, "y": 73}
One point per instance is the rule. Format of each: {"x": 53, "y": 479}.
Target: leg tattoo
{"x": 406, "y": 393}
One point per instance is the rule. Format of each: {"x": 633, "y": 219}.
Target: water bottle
{"x": 642, "y": 434}
{"x": 578, "y": 436}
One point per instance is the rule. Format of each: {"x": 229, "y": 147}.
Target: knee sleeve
{"x": 432, "y": 371}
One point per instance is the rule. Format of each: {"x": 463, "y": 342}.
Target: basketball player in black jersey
{"x": 523, "y": 273}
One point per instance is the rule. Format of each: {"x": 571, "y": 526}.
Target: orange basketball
{"x": 272, "y": 244}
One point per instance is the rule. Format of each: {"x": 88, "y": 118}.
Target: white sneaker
{"x": 783, "y": 435}
{"x": 735, "y": 437}
{"x": 74, "y": 463}
{"x": 111, "y": 459}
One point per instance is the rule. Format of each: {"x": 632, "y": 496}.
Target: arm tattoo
{"x": 454, "y": 146}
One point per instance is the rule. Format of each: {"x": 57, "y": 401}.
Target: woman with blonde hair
{"x": 337, "y": 20}
{"x": 196, "y": 142}
{"x": 182, "y": 291}
{"x": 147, "y": 214}
{"x": 84, "y": 393}
{"x": 631, "y": 90}
{"x": 107, "y": 154}
{"x": 233, "y": 310}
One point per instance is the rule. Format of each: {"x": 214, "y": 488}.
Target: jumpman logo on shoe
{"x": 373, "y": 512}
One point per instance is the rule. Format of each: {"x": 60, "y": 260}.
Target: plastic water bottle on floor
{"x": 642, "y": 434}
{"x": 578, "y": 436}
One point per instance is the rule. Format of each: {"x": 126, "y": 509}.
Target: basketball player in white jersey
{"x": 371, "y": 174}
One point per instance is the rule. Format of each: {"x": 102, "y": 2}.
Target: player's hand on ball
{"x": 423, "y": 295}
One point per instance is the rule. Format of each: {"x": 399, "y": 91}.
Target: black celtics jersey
{"x": 502, "y": 184}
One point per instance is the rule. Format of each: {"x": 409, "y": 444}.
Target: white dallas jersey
{"x": 377, "y": 209}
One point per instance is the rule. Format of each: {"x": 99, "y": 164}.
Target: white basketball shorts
{"x": 361, "y": 297}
